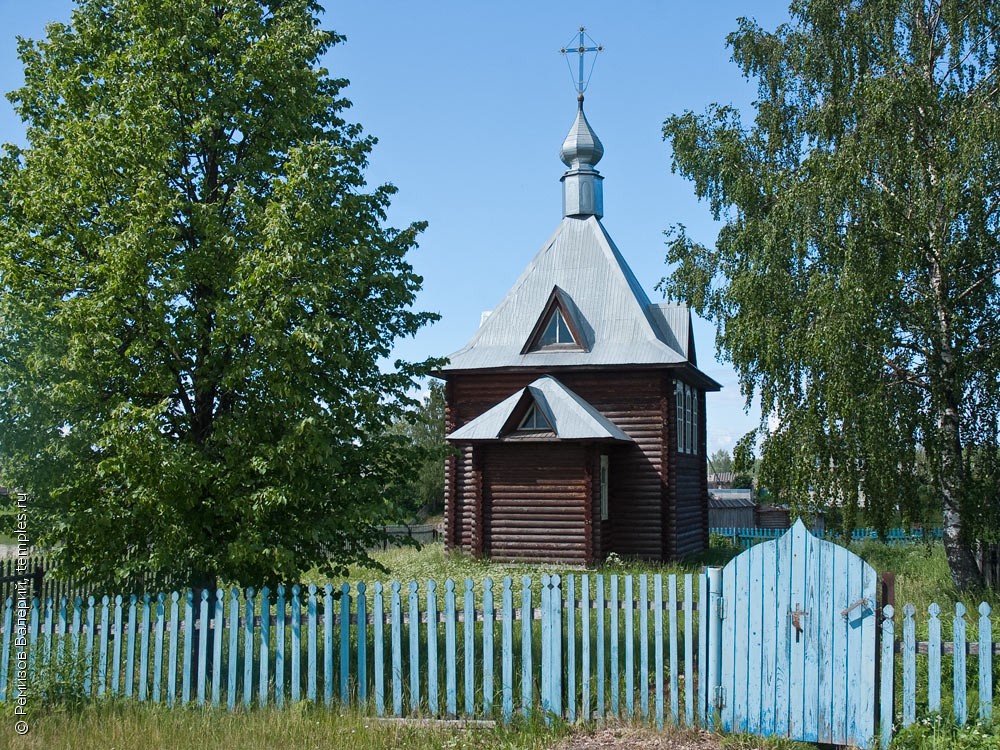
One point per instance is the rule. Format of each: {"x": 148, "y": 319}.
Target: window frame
{"x": 604, "y": 477}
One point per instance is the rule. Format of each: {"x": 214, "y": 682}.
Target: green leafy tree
{"x": 720, "y": 462}
{"x": 197, "y": 293}
{"x": 424, "y": 430}
{"x": 854, "y": 282}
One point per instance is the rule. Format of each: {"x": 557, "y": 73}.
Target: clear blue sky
{"x": 470, "y": 102}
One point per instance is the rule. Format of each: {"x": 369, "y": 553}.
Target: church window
{"x": 604, "y": 488}
{"x": 694, "y": 420}
{"x": 687, "y": 417}
{"x": 681, "y": 432}
{"x": 534, "y": 421}
{"x": 556, "y": 331}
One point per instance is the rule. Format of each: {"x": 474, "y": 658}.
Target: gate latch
{"x": 797, "y": 614}
{"x": 858, "y": 603}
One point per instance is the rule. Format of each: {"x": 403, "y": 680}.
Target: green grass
{"x": 432, "y": 562}
{"x": 123, "y": 726}
{"x": 110, "y": 725}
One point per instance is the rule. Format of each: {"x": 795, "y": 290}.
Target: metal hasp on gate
{"x": 797, "y": 642}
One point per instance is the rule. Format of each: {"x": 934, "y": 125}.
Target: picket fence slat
{"x": 886, "y": 707}
{"x": 158, "y": 648}
{"x": 488, "y": 628}
{"x": 672, "y": 599}
{"x": 362, "y": 643}
{"x": 599, "y": 615}
{"x": 644, "y": 646}
{"x": 909, "y": 666}
{"x": 248, "y": 648}
{"x": 958, "y": 662}
{"x": 555, "y": 602}
{"x": 451, "y": 697}
{"x": 172, "y": 654}
{"x": 658, "y": 648}
{"x": 144, "y": 647}
{"x": 585, "y": 647}
{"x": 934, "y": 660}
{"x": 546, "y": 686}
{"x": 526, "y": 671}
{"x": 379, "y": 656}
{"x": 614, "y": 646}
{"x": 688, "y": 650}
{"x": 468, "y": 634}
{"x": 233, "y": 662}
{"x": 188, "y": 638}
{"x": 414, "y": 648}
{"x": 397, "y": 651}
{"x": 506, "y": 651}
{"x": 432, "y": 647}
{"x": 311, "y": 647}
{"x": 265, "y": 644}
{"x": 345, "y": 643}
{"x": 88, "y": 654}
{"x": 629, "y": 648}
{"x": 328, "y": 647}
{"x": 101, "y": 635}
{"x": 985, "y": 664}
{"x": 217, "y": 651}
{"x": 571, "y": 675}
{"x": 202, "y": 645}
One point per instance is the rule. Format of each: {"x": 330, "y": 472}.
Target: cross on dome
{"x": 582, "y": 49}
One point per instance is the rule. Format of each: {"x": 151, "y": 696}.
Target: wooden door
{"x": 798, "y": 642}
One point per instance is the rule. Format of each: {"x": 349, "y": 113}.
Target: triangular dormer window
{"x": 556, "y": 328}
{"x": 534, "y": 421}
{"x": 556, "y": 332}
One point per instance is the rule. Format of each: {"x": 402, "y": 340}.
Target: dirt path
{"x": 626, "y": 737}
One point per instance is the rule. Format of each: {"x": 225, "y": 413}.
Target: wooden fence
{"x": 33, "y": 572}
{"x": 583, "y": 647}
{"x": 747, "y": 537}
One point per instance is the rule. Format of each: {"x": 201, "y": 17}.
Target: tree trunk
{"x": 964, "y": 569}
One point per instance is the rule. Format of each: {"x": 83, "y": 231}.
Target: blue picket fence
{"x": 579, "y": 646}
{"x": 747, "y": 537}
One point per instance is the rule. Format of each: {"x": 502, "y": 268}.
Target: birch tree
{"x": 854, "y": 282}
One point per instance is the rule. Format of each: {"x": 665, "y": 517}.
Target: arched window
{"x": 686, "y": 399}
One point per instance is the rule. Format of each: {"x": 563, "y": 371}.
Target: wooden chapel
{"x": 577, "y": 407}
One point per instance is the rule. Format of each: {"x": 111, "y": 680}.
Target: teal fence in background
{"x": 747, "y": 537}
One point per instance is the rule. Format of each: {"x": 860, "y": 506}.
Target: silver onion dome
{"x": 581, "y": 149}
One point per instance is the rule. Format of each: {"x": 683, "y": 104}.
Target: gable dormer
{"x": 557, "y": 328}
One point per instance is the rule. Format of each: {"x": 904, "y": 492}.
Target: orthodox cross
{"x": 581, "y": 49}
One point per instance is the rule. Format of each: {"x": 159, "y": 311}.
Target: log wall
{"x": 644, "y": 477}
{"x": 536, "y": 502}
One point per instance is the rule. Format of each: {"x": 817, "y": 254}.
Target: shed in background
{"x": 731, "y": 508}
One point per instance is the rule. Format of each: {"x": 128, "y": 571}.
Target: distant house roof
{"x": 721, "y": 477}
{"x": 570, "y": 417}
{"x": 618, "y": 323}
{"x": 730, "y": 499}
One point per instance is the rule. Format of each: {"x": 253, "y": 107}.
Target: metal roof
{"x": 621, "y": 326}
{"x": 730, "y": 499}
{"x": 571, "y": 417}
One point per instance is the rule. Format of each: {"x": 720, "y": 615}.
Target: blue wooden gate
{"x": 798, "y": 642}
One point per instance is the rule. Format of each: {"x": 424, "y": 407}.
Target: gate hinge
{"x": 720, "y": 697}
{"x": 722, "y": 608}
